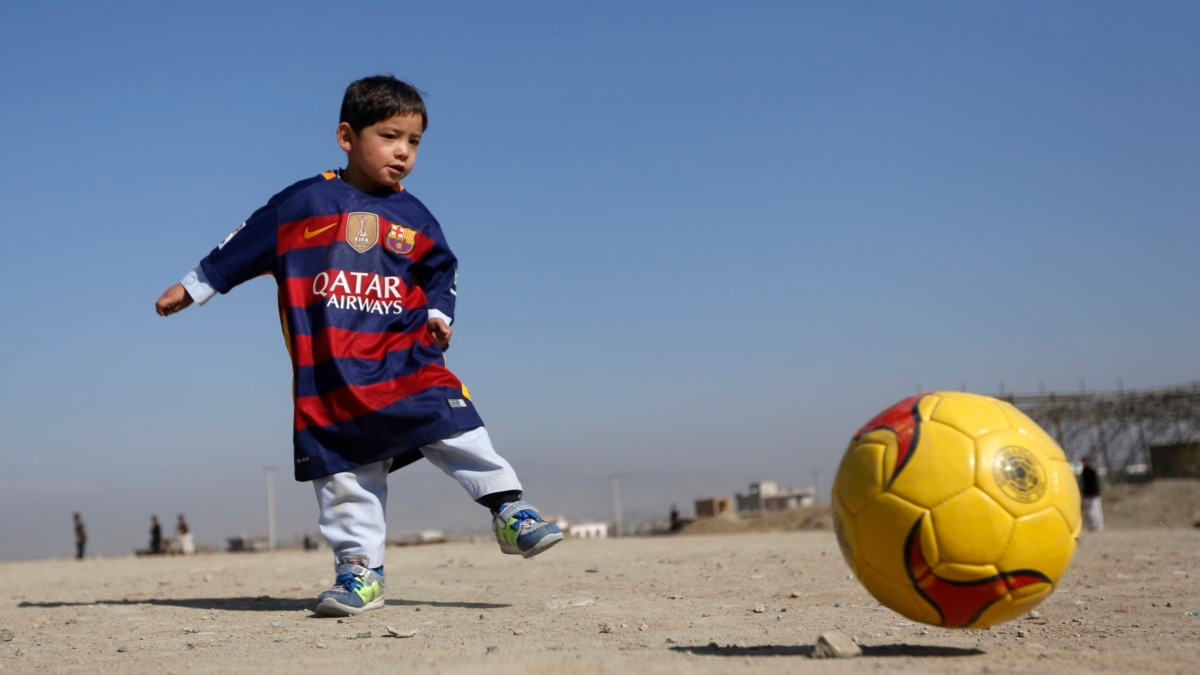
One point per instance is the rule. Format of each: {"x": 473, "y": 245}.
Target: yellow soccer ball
{"x": 956, "y": 510}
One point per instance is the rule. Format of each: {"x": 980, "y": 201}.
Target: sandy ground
{"x": 750, "y": 602}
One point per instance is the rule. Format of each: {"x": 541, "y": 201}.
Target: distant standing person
{"x": 1093, "y": 514}
{"x": 155, "y": 535}
{"x": 80, "y": 536}
{"x": 187, "y": 545}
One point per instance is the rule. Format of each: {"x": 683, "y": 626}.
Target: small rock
{"x": 570, "y": 602}
{"x": 835, "y": 645}
{"x": 606, "y": 628}
{"x": 6, "y": 635}
{"x": 320, "y": 645}
{"x": 1034, "y": 614}
{"x": 518, "y": 631}
{"x": 643, "y": 626}
{"x": 759, "y": 609}
{"x": 392, "y": 632}
{"x": 493, "y": 649}
{"x": 1022, "y": 634}
{"x": 276, "y": 624}
{"x": 794, "y": 594}
{"x": 122, "y": 649}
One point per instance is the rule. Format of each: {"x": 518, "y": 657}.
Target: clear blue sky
{"x": 700, "y": 243}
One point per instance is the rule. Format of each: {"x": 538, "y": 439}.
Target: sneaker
{"x": 521, "y": 530}
{"x": 356, "y": 590}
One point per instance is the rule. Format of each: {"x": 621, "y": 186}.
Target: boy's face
{"x": 382, "y": 154}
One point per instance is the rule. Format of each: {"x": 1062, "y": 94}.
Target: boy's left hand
{"x": 441, "y": 332}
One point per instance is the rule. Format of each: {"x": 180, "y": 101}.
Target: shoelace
{"x": 349, "y": 581}
{"x": 521, "y": 517}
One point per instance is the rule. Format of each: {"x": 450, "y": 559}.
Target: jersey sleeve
{"x": 437, "y": 275}
{"x": 247, "y": 252}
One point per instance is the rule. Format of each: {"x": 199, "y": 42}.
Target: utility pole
{"x": 616, "y": 490}
{"x": 270, "y": 507}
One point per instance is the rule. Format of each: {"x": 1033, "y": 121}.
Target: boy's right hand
{"x": 172, "y": 300}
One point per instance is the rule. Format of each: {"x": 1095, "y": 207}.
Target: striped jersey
{"x": 358, "y": 276}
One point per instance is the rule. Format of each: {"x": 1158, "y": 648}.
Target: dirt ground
{"x": 744, "y": 602}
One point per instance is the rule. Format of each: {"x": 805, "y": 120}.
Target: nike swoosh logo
{"x": 309, "y": 234}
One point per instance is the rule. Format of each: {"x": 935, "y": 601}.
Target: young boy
{"x": 366, "y": 298}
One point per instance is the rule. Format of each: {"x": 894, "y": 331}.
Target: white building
{"x": 587, "y": 530}
{"x": 767, "y": 496}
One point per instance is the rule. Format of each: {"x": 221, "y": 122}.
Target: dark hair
{"x": 379, "y": 97}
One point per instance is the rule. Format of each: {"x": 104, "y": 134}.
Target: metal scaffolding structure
{"x": 1116, "y": 429}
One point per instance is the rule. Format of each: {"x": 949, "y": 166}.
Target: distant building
{"x": 767, "y": 496}
{"x": 716, "y": 506}
{"x": 1180, "y": 460}
{"x": 587, "y": 530}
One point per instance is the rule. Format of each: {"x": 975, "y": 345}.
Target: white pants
{"x": 1093, "y": 515}
{"x": 353, "y": 504}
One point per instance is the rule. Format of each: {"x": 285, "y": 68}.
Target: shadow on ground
{"x": 248, "y": 604}
{"x": 713, "y": 649}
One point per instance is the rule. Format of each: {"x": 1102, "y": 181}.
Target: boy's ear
{"x": 345, "y": 136}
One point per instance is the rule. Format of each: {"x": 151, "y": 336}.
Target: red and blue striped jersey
{"x": 358, "y": 275}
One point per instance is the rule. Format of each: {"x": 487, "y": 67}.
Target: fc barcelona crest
{"x": 362, "y": 231}
{"x": 400, "y": 239}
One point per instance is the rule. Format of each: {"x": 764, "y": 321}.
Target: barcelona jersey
{"x": 358, "y": 276}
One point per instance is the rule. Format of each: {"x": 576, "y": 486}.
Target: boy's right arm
{"x": 193, "y": 288}
{"x": 173, "y": 300}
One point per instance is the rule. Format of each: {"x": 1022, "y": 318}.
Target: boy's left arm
{"x": 437, "y": 275}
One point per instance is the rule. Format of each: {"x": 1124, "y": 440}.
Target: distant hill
{"x": 1168, "y": 502}
{"x": 816, "y": 517}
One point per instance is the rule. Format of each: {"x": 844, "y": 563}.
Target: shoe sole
{"x": 331, "y": 607}
{"x": 543, "y": 544}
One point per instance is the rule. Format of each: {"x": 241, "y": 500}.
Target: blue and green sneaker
{"x": 356, "y": 590}
{"x": 521, "y": 530}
